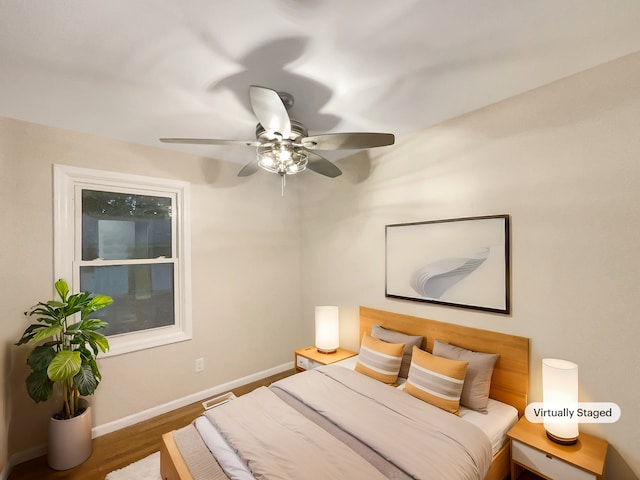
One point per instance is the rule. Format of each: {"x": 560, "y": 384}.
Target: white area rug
{"x": 146, "y": 469}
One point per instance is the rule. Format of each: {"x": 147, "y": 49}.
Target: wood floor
{"x": 119, "y": 449}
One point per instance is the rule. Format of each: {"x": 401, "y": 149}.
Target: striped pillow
{"x": 379, "y": 359}
{"x": 397, "y": 337}
{"x": 436, "y": 380}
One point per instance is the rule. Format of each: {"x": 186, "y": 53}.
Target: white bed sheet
{"x": 228, "y": 459}
{"x": 498, "y": 420}
{"x": 495, "y": 424}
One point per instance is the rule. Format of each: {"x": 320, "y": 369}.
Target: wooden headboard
{"x": 510, "y": 380}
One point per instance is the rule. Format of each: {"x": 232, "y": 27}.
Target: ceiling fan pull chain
{"x": 283, "y": 183}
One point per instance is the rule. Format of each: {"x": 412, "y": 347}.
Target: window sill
{"x": 131, "y": 342}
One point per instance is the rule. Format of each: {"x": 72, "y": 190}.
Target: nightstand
{"x": 309, "y": 357}
{"x": 534, "y": 456}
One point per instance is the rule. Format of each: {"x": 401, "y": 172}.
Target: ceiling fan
{"x": 283, "y": 145}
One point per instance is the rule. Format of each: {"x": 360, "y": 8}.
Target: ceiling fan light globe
{"x": 300, "y": 159}
{"x": 285, "y": 154}
{"x": 267, "y": 162}
{"x": 294, "y": 168}
{"x": 283, "y": 159}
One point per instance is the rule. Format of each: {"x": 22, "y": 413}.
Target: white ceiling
{"x": 137, "y": 70}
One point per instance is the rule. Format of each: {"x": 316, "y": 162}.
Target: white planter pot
{"x": 70, "y": 441}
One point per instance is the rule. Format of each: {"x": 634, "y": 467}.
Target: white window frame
{"x": 68, "y": 183}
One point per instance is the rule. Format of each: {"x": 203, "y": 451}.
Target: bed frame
{"x": 509, "y": 382}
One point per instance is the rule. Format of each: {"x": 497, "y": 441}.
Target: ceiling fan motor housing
{"x": 298, "y": 131}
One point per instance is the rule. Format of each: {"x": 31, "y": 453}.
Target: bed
{"x": 339, "y": 423}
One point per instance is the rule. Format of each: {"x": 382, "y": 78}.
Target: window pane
{"x": 142, "y": 295}
{"x": 123, "y": 226}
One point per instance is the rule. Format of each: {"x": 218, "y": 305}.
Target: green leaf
{"x": 100, "y": 340}
{"x": 94, "y": 324}
{"x": 100, "y": 301}
{"x": 49, "y": 320}
{"x": 78, "y": 301}
{"x": 74, "y": 327}
{"x": 39, "y": 386}
{"x": 47, "y": 332}
{"x": 40, "y": 357}
{"x": 96, "y": 303}
{"x": 96, "y": 370}
{"x": 29, "y": 333}
{"x": 49, "y": 312}
{"x": 85, "y": 380}
{"x": 65, "y": 365}
{"x": 85, "y": 354}
{"x": 62, "y": 288}
{"x": 56, "y": 304}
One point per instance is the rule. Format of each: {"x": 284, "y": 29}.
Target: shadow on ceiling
{"x": 266, "y": 66}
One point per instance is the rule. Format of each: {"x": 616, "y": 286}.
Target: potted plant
{"x": 67, "y": 356}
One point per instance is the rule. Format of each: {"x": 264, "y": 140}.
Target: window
{"x": 126, "y": 236}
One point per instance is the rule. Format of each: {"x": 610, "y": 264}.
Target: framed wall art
{"x": 460, "y": 262}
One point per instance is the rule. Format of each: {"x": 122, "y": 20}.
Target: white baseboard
{"x": 184, "y": 401}
{"x": 105, "y": 428}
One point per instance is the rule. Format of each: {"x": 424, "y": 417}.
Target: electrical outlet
{"x": 199, "y": 364}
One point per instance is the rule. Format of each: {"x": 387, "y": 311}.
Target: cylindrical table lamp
{"x": 560, "y": 391}
{"x": 327, "y": 329}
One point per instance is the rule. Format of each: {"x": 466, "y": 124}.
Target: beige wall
{"x": 561, "y": 160}
{"x": 564, "y": 162}
{"x": 245, "y": 276}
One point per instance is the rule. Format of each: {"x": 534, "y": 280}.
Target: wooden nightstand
{"x": 309, "y": 357}
{"x": 533, "y": 454}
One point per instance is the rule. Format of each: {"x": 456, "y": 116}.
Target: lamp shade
{"x": 560, "y": 391}
{"x": 327, "y": 329}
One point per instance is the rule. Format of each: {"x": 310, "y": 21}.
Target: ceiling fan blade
{"x": 339, "y": 141}
{"x": 270, "y": 111}
{"x": 211, "y": 141}
{"x": 249, "y": 169}
{"x": 322, "y": 166}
